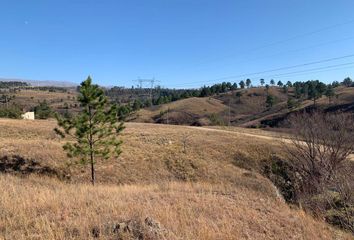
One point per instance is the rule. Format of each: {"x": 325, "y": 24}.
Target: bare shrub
{"x": 320, "y": 148}
{"x": 318, "y": 155}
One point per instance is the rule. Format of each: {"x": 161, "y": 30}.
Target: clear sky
{"x": 179, "y": 42}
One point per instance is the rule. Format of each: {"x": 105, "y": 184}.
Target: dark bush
{"x": 11, "y": 112}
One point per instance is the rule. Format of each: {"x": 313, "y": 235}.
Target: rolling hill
{"x": 249, "y": 110}
{"x": 243, "y": 107}
{"x": 171, "y": 182}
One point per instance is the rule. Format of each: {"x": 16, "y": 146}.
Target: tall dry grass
{"x": 44, "y": 208}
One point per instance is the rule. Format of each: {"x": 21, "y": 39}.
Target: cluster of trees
{"x": 50, "y": 89}
{"x": 217, "y": 88}
{"x": 348, "y": 82}
{"x": 145, "y": 97}
{"x": 313, "y": 90}
{"x": 12, "y": 84}
{"x": 135, "y": 98}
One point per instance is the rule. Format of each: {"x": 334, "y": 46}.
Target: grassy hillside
{"x": 196, "y": 192}
{"x": 27, "y": 99}
{"x": 343, "y": 101}
{"x": 216, "y": 110}
{"x": 190, "y": 111}
{"x": 248, "y": 110}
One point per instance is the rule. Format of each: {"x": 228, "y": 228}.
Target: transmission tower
{"x": 152, "y": 81}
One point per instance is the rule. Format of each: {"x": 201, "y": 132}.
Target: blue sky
{"x": 182, "y": 43}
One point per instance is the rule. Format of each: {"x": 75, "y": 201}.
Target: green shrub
{"x": 11, "y": 112}
{"x": 43, "y": 110}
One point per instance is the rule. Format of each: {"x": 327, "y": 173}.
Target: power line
{"x": 319, "y": 68}
{"x": 283, "y": 40}
{"x": 289, "y": 67}
{"x": 314, "y": 70}
{"x": 310, "y": 72}
{"x": 280, "y": 53}
{"x": 305, "y": 34}
{"x": 296, "y": 50}
{"x": 271, "y": 70}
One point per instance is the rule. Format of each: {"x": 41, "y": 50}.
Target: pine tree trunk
{"x": 92, "y": 158}
{"x": 93, "y": 175}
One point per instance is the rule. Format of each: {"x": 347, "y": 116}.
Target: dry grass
{"x": 151, "y": 153}
{"x": 41, "y": 208}
{"x": 199, "y": 194}
{"x": 183, "y": 111}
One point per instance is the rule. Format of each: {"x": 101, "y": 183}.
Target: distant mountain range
{"x": 42, "y": 83}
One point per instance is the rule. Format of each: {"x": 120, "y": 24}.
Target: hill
{"x": 185, "y": 178}
{"x": 243, "y": 107}
{"x": 190, "y": 111}
{"x": 26, "y": 98}
{"x": 215, "y": 110}
{"x": 343, "y": 101}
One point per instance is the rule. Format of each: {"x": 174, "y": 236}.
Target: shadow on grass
{"x": 16, "y": 164}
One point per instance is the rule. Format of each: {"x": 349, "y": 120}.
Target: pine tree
{"x": 242, "y": 84}
{"x": 329, "y": 92}
{"x": 270, "y": 101}
{"x": 95, "y": 129}
{"x": 347, "y": 82}
{"x": 248, "y": 82}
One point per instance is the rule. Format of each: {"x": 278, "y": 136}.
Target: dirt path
{"x": 239, "y": 133}
{"x": 278, "y": 139}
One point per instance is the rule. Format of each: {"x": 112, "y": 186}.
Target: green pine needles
{"x": 95, "y": 129}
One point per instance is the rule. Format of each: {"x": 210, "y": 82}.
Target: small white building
{"x": 28, "y": 116}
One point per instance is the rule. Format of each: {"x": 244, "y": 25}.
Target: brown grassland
{"x": 28, "y": 99}
{"x": 196, "y": 192}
